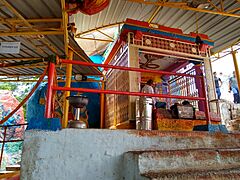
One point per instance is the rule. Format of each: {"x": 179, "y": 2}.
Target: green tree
{"x": 13, "y": 86}
{"x": 8, "y": 86}
{"x": 13, "y": 149}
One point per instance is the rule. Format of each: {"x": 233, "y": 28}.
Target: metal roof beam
{"x": 105, "y": 34}
{"x": 233, "y": 10}
{"x": 40, "y": 65}
{"x": 184, "y": 6}
{"x": 22, "y": 29}
{"x": 26, "y": 75}
{"x": 226, "y": 47}
{"x": 98, "y": 28}
{"x": 22, "y": 59}
{"x": 64, "y": 26}
{"x": 44, "y": 20}
{"x": 29, "y": 33}
{"x": 156, "y": 12}
{"x": 11, "y": 8}
{"x": 93, "y": 39}
{"x": 222, "y": 5}
{"x": 213, "y": 5}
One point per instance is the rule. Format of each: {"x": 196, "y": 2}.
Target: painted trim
{"x": 164, "y": 33}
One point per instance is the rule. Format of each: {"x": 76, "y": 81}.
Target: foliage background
{"x": 13, "y": 150}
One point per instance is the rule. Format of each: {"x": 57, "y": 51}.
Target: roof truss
{"x": 217, "y": 9}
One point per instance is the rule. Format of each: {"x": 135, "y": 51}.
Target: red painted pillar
{"x": 199, "y": 87}
{"x": 48, "y": 108}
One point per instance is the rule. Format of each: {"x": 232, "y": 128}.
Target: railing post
{"x": 48, "y": 110}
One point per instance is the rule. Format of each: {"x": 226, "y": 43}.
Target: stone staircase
{"x": 130, "y": 155}
{"x": 221, "y": 163}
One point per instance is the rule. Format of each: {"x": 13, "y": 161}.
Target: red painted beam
{"x": 126, "y": 93}
{"x": 125, "y": 68}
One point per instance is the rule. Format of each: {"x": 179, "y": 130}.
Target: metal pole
{"x": 67, "y": 93}
{"x": 126, "y": 93}
{"x": 154, "y": 14}
{"x": 236, "y": 67}
{"x": 4, "y": 137}
{"x": 48, "y": 110}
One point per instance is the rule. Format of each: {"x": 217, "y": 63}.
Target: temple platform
{"x": 107, "y": 154}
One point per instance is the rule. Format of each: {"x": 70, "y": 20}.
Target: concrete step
{"x": 182, "y": 164}
{"x": 213, "y": 175}
{"x": 10, "y": 175}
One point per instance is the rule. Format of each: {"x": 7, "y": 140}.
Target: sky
{"x": 226, "y": 66}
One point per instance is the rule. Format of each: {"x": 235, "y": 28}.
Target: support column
{"x": 210, "y": 84}
{"x": 134, "y": 79}
{"x": 67, "y": 93}
{"x": 51, "y": 70}
{"x": 236, "y": 67}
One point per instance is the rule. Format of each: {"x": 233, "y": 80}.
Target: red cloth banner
{"x": 88, "y": 7}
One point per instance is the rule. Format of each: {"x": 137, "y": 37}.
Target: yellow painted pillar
{"x": 236, "y": 67}
{"x": 64, "y": 26}
{"x": 67, "y": 93}
{"x": 102, "y": 105}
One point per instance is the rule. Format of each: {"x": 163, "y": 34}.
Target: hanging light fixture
{"x": 200, "y": 4}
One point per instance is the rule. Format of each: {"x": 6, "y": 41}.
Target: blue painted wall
{"x": 35, "y": 110}
{"x": 97, "y": 59}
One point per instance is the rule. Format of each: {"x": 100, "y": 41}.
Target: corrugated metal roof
{"x": 36, "y": 46}
{"x": 224, "y": 30}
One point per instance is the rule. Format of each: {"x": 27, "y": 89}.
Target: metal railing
{"x": 184, "y": 86}
{"x": 10, "y": 136}
{"x": 52, "y": 88}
